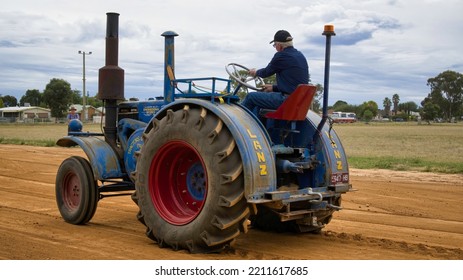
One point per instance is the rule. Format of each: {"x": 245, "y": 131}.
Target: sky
{"x": 381, "y": 47}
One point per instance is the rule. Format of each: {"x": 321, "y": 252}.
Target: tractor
{"x": 201, "y": 168}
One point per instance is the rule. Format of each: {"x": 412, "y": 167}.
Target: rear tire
{"x": 189, "y": 182}
{"x": 76, "y": 191}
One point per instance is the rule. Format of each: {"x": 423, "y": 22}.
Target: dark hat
{"x": 282, "y": 36}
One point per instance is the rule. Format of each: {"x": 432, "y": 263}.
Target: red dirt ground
{"x": 392, "y": 215}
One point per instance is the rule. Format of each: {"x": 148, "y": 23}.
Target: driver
{"x": 291, "y": 69}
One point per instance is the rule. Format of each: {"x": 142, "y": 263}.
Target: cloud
{"x": 381, "y": 47}
{"x": 352, "y": 25}
{"x": 7, "y": 44}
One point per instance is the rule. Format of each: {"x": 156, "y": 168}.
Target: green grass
{"x": 40, "y": 131}
{"x": 44, "y": 135}
{"x": 396, "y": 146}
{"x": 403, "y": 146}
{"x": 405, "y": 164}
{"x": 20, "y": 141}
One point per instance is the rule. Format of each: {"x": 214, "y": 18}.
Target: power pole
{"x": 84, "y": 103}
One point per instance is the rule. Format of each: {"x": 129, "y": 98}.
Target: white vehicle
{"x": 344, "y": 117}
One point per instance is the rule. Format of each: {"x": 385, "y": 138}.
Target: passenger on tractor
{"x": 291, "y": 69}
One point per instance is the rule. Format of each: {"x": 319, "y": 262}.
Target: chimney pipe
{"x": 111, "y": 76}
{"x": 111, "y": 79}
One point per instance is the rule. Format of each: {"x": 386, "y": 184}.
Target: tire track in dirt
{"x": 436, "y": 252}
{"x": 392, "y": 216}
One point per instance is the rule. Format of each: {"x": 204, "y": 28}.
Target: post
{"x": 84, "y": 103}
{"x": 328, "y": 32}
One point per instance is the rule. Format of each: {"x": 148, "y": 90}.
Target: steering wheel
{"x": 240, "y": 74}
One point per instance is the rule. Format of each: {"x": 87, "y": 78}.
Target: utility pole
{"x": 84, "y": 103}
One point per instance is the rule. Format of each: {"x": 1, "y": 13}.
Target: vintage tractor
{"x": 200, "y": 166}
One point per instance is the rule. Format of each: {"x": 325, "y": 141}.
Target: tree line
{"x": 57, "y": 96}
{"x": 445, "y": 100}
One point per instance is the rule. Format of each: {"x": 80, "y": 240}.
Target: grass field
{"x": 37, "y": 134}
{"x": 397, "y": 146}
{"x": 404, "y": 146}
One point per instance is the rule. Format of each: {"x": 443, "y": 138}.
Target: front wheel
{"x": 189, "y": 182}
{"x": 76, "y": 190}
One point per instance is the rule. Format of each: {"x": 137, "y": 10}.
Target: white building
{"x": 21, "y": 114}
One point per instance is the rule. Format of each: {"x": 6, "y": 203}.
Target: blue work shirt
{"x": 290, "y": 67}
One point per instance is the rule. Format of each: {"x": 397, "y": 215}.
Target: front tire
{"x": 189, "y": 182}
{"x": 76, "y": 191}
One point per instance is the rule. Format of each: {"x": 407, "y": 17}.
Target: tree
{"x": 32, "y": 96}
{"x": 369, "y": 106}
{"x": 429, "y": 111}
{"x": 9, "y": 101}
{"x": 57, "y": 96}
{"x": 316, "y": 104}
{"x": 367, "y": 115}
{"x": 447, "y": 93}
{"x": 95, "y": 102}
{"x": 338, "y": 104}
{"x": 1, "y": 102}
{"x": 395, "y": 101}
{"x": 348, "y": 108}
{"x": 76, "y": 98}
{"x": 387, "y": 103}
{"x": 408, "y": 107}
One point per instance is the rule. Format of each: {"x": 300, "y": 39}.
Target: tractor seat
{"x": 296, "y": 106}
{"x": 293, "y": 109}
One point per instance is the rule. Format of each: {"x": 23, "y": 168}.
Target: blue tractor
{"x": 200, "y": 166}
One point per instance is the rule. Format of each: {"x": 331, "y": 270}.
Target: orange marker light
{"x": 329, "y": 30}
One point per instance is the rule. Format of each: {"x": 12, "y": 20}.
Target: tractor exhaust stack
{"x": 111, "y": 79}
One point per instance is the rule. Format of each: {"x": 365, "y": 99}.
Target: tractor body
{"x": 200, "y": 166}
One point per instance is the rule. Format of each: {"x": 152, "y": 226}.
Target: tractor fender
{"x": 324, "y": 147}
{"x": 251, "y": 139}
{"x": 104, "y": 161}
{"x": 334, "y": 170}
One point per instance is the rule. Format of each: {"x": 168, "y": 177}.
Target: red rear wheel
{"x": 178, "y": 182}
{"x": 189, "y": 181}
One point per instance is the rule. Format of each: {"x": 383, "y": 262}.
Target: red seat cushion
{"x": 296, "y": 106}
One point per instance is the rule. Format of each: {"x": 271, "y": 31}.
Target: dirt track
{"x": 393, "y": 215}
